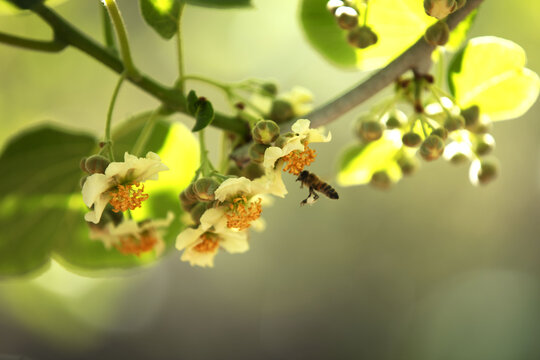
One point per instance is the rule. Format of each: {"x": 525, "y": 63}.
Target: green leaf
{"x": 125, "y": 135}
{"x": 490, "y": 72}
{"x": 192, "y": 99}
{"x": 162, "y": 15}
{"x": 12, "y": 6}
{"x": 221, "y": 3}
{"x": 359, "y": 162}
{"x": 204, "y": 115}
{"x": 459, "y": 34}
{"x": 43, "y": 160}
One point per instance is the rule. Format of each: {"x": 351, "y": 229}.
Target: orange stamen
{"x": 127, "y": 197}
{"x": 131, "y": 245}
{"x": 209, "y": 243}
{"x": 240, "y": 215}
{"x": 297, "y": 160}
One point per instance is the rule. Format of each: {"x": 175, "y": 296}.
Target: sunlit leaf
{"x": 359, "y": 162}
{"x": 490, "y": 72}
{"x": 43, "y": 160}
{"x": 221, "y": 3}
{"x": 161, "y": 15}
{"x": 459, "y": 34}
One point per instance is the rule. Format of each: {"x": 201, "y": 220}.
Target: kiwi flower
{"x": 120, "y": 185}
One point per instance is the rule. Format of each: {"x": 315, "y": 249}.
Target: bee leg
{"x": 312, "y": 192}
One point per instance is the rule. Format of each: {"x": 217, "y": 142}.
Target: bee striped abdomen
{"x": 329, "y": 191}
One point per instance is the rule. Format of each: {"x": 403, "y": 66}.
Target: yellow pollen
{"x": 131, "y": 245}
{"x": 209, "y": 243}
{"x": 240, "y": 215}
{"x": 297, "y": 160}
{"x": 128, "y": 196}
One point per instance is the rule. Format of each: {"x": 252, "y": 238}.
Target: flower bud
{"x": 96, "y": 164}
{"x": 83, "y": 180}
{"x": 488, "y": 172}
{"x": 270, "y": 88}
{"x": 460, "y": 4}
{"x": 281, "y": 111}
{"x": 471, "y": 116}
{"x": 484, "y": 144}
{"x": 333, "y": 5}
{"x": 432, "y": 148}
{"x": 197, "y": 211}
{"x": 82, "y": 164}
{"x": 347, "y": 17}
{"x": 189, "y": 193}
{"x": 437, "y": 34}
{"x": 381, "y": 180}
{"x": 370, "y": 130}
{"x": 256, "y": 152}
{"x": 283, "y": 139}
{"x": 459, "y": 158}
{"x": 440, "y": 8}
{"x": 362, "y": 37}
{"x": 265, "y": 132}
{"x": 408, "y": 165}
{"x": 411, "y": 139}
{"x": 396, "y": 119}
{"x": 186, "y": 203}
{"x": 253, "y": 171}
{"x": 453, "y": 123}
{"x": 233, "y": 169}
{"x": 440, "y": 132}
{"x": 204, "y": 189}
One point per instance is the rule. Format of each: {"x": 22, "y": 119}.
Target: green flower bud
{"x": 471, "y": 116}
{"x": 440, "y": 8}
{"x": 281, "y": 111}
{"x": 488, "y": 172}
{"x": 265, "y": 132}
{"x": 347, "y": 17}
{"x": 256, "y": 152}
{"x": 283, "y": 139}
{"x": 459, "y": 158}
{"x": 333, "y": 5}
{"x": 440, "y": 132}
{"x": 96, "y": 164}
{"x": 381, "y": 180}
{"x": 453, "y": 123}
{"x": 362, "y": 37}
{"x": 395, "y": 120}
{"x": 482, "y": 127}
{"x": 411, "y": 139}
{"x": 484, "y": 144}
{"x": 83, "y": 180}
{"x": 233, "y": 169}
{"x": 253, "y": 171}
{"x": 370, "y": 130}
{"x": 189, "y": 193}
{"x": 270, "y": 88}
{"x": 198, "y": 210}
{"x": 432, "y": 148}
{"x": 408, "y": 165}
{"x": 82, "y": 165}
{"x": 437, "y": 34}
{"x": 187, "y": 204}
{"x": 460, "y": 3}
{"x": 204, "y": 189}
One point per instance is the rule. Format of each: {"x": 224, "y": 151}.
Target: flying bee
{"x": 315, "y": 184}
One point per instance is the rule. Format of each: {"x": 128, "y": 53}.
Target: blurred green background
{"x": 432, "y": 269}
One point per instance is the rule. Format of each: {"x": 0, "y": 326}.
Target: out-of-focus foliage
{"x": 162, "y": 16}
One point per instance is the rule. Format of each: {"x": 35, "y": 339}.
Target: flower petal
{"x": 94, "y": 215}
{"x": 188, "y": 238}
{"x": 94, "y": 186}
{"x": 233, "y": 187}
{"x": 301, "y": 126}
{"x": 205, "y": 259}
{"x": 235, "y": 241}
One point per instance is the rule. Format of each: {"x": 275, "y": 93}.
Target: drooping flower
{"x": 120, "y": 185}
{"x": 133, "y": 238}
{"x": 301, "y": 100}
{"x": 202, "y": 244}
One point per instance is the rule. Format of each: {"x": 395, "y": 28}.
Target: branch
{"x": 40, "y": 45}
{"x": 416, "y": 57}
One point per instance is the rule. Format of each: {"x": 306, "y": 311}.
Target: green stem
{"x": 439, "y": 101}
{"x": 180, "y": 51}
{"x": 224, "y": 161}
{"x": 146, "y": 132}
{"x": 366, "y": 13}
{"x": 121, "y": 33}
{"x": 108, "y": 140}
{"x": 206, "y": 166}
{"x": 220, "y": 85}
{"x": 108, "y": 34}
{"x": 55, "y": 45}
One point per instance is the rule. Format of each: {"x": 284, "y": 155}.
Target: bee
{"x": 315, "y": 184}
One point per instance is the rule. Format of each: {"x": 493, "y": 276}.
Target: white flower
{"x": 300, "y": 99}
{"x": 119, "y": 184}
{"x": 201, "y": 244}
{"x": 130, "y": 237}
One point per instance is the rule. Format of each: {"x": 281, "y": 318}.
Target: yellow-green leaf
{"x": 491, "y": 73}
{"x": 359, "y": 162}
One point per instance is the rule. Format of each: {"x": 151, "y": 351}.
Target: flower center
{"x": 128, "y": 196}
{"x": 240, "y": 214}
{"x": 297, "y": 160}
{"x": 209, "y": 243}
{"x": 131, "y": 245}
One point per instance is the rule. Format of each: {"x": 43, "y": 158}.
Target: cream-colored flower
{"x": 301, "y": 100}
{"x": 119, "y": 186}
{"x": 295, "y": 152}
{"x": 202, "y": 244}
{"x": 131, "y": 237}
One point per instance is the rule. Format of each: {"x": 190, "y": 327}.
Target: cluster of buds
{"x": 198, "y": 197}
{"x": 347, "y": 16}
{"x": 435, "y": 128}
{"x": 442, "y": 8}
